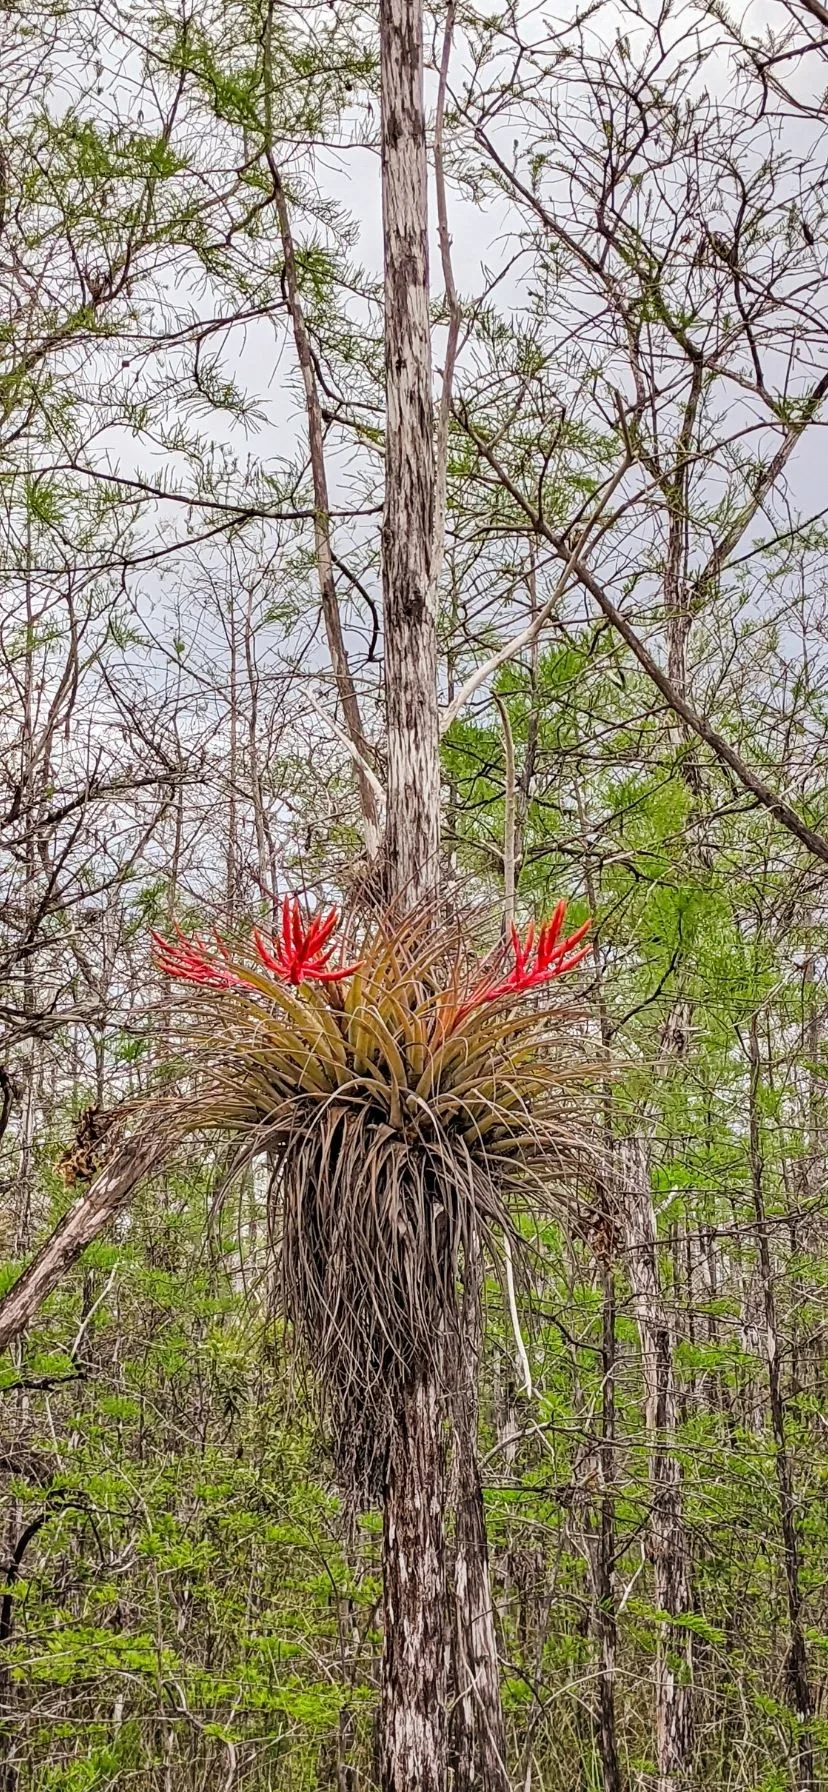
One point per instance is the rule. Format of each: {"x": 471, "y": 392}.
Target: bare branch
{"x": 345, "y": 741}
{"x": 527, "y": 636}
{"x": 776, "y": 806}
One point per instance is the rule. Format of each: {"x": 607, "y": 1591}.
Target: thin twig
{"x": 528, "y": 635}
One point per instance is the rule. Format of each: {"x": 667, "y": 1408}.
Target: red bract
{"x": 192, "y": 962}
{"x": 302, "y": 952}
{"x": 553, "y": 957}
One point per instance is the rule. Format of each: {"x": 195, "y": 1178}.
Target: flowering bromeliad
{"x": 299, "y": 953}
{"x": 553, "y": 958}
{"x": 302, "y": 953}
{"x": 194, "y": 962}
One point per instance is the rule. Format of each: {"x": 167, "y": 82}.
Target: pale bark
{"x": 414, "y": 1724}
{"x": 478, "y": 1738}
{"x": 412, "y": 728}
{"x": 413, "y": 1717}
{"x": 479, "y": 1754}
{"x": 796, "y": 1662}
{"x": 667, "y": 1540}
{"x": 602, "y": 1542}
{"x": 509, "y": 816}
{"x": 413, "y": 1702}
{"x": 452, "y": 306}
{"x": 231, "y": 865}
{"x": 265, "y": 844}
{"x": 601, "y": 1547}
{"x": 84, "y": 1222}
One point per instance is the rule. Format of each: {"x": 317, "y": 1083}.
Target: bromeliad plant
{"x": 404, "y": 1100}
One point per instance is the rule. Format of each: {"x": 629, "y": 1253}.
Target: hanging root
{"x": 374, "y": 1228}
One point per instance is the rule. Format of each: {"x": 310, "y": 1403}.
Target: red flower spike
{"x": 549, "y": 935}
{"x": 299, "y": 953}
{"x": 553, "y": 958}
{"x": 191, "y": 962}
{"x": 302, "y": 952}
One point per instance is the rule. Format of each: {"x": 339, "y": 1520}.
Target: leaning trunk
{"x": 142, "y": 1156}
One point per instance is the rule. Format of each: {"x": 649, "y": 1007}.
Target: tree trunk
{"x": 413, "y": 1712}
{"x": 85, "y": 1221}
{"x": 478, "y": 1740}
{"x": 667, "y": 1541}
{"x": 345, "y": 687}
{"x": 414, "y": 1739}
{"x": 413, "y": 1704}
{"x": 10, "y": 1745}
{"x": 412, "y": 724}
{"x": 601, "y": 1545}
{"x": 796, "y": 1663}
{"x": 602, "y": 1541}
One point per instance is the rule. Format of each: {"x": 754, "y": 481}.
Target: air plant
{"x": 405, "y": 1101}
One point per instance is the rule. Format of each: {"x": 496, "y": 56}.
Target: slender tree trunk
{"x": 231, "y": 865}
{"x": 90, "y": 1216}
{"x": 668, "y": 1546}
{"x": 10, "y": 1744}
{"x": 410, "y": 609}
{"x": 478, "y": 1739}
{"x": 346, "y": 689}
{"x": 796, "y": 1665}
{"x": 602, "y": 1543}
{"x": 602, "y": 1553}
{"x": 413, "y": 1703}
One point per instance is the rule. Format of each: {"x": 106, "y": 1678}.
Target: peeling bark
{"x": 413, "y": 1717}
{"x": 412, "y": 724}
{"x": 413, "y": 1712}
